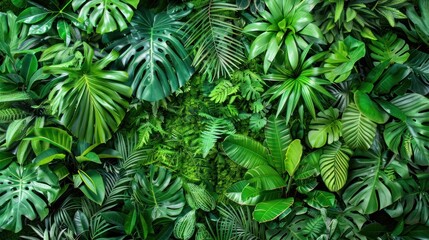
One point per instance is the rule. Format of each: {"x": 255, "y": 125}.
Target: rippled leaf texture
{"x": 25, "y": 191}
{"x": 358, "y": 130}
{"x": 334, "y": 165}
{"x": 106, "y": 15}
{"x": 156, "y": 60}
{"x": 215, "y": 40}
{"x": 414, "y": 109}
{"x": 370, "y": 188}
{"x": 90, "y": 102}
{"x": 326, "y": 128}
{"x": 158, "y": 192}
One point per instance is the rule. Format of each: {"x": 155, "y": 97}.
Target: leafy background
{"x": 211, "y": 119}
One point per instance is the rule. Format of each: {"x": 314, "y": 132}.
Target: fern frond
{"x": 10, "y": 114}
{"x": 214, "y": 38}
{"x": 222, "y": 90}
{"x": 215, "y": 128}
{"x": 251, "y": 86}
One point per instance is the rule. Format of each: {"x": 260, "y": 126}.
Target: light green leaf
{"x": 293, "y": 157}
{"x": 326, "y": 128}
{"x": 270, "y": 210}
{"x": 184, "y": 227}
{"x": 334, "y": 165}
{"x": 278, "y": 139}
{"x": 358, "y": 130}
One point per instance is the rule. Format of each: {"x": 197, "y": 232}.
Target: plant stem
{"x": 289, "y": 184}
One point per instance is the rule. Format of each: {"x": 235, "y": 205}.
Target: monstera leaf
{"x": 389, "y": 48}
{"x": 158, "y": 192}
{"x": 106, "y": 16}
{"x": 370, "y": 188}
{"x": 413, "y": 111}
{"x": 25, "y": 191}
{"x": 90, "y": 101}
{"x": 157, "y": 61}
{"x": 334, "y": 166}
{"x": 325, "y": 128}
{"x": 343, "y": 56}
{"x": 358, "y": 130}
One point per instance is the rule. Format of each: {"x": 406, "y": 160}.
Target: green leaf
{"x": 264, "y": 177}
{"x": 155, "y": 58}
{"x": 16, "y": 130}
{"x": 90, "y": 101}
{"x": 54, "y": 136}
{"x": 392, "y": 77}
{"x": 270, "y": 210}
{"x": 321, "y": 199}
{"x": 325, "y": 128}
{"x": 202, "y": 198}
{"x": 278, "y": 139}
{"x": 130, "y": 222}
{"x": 5, "y": 159}
{"x": 89, "y": 157}
{"x": 48, "y": 156}
{"x": 416, "y": 109}
{"x": 106, "y": 15}
{"x": 32, "y": 15}
{"x": 245, "y": 151}
{"x": 334, "y": 165}
{"x": 94, "y": 186}
{"x": 343, "y": 57}
{"x": 369, "y": 188}
{"x": 25, "y": 191}
{"x": 293, "y": 157}
{"x": 160, "y": 193}
{"x": 214, "y": 39}
{"x": 14, "y": 97}
{"x": 369, "y": 108}
{"x": 358, "y": 130}
{"x": 389, "y": 48}
{"x": 184, "y": 227}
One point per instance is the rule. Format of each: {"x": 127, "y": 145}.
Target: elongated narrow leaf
{"x": 270, "y": 210}
{"x": 54, "y": 136}
{"x": 98, "y": 193}
{"x": 245, "y": 151}
{"x": 293, "y": 157}
{"x": 278, "y": 139}
{"x": 334, "y": 165}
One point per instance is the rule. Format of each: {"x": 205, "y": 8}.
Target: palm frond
{"x": 213, "y": 37}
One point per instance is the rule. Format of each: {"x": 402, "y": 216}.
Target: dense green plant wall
{"x": 246, "y": 119}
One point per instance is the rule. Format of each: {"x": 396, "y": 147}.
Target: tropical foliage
{"x": 214, "y": 119}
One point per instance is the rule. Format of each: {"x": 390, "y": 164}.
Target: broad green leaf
{"x": 14, "y": 97}
{"x": 16, "y": 130}
{"x": 358, "y": 130}
{"x": 389, "y": 48}
{"x": 25, "y": 191}
{"x": 130, "y": 222}
{"x": 106, "y": 15}
{"x": 235, "y": 193}
{"x": 5, "y": 159}
{"x": 392, "y": 77}
{"x": 326, "y": 128}
{"x": 54, "y": 136}
{"x": 369, "y": 188}
{"x": 293, "y": 157}
{"x": 278, "y": 139}
{"x": 184, "y": 227}
{"x": 343, "y": 56}
{"x": 32, "y": 15}
{"x": 245, "y": 151}
{"x": 155, "y": 58}
{"x": 416, "y": 109}
{"x": 318, "y": 199}
{"x": 90, "y": 102}
{"x": 89, "y": 157}
{"x": 270, "y": 210}
{"x": 93, "y": 177}
{"x": 160, "y": 193}
{"x": 264, "y": 177}
{"x": 369, "y": 108}
{"x": 48, "y": 156}
{"x": 202, "y": 198}
{"x": 334, "y": 165}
